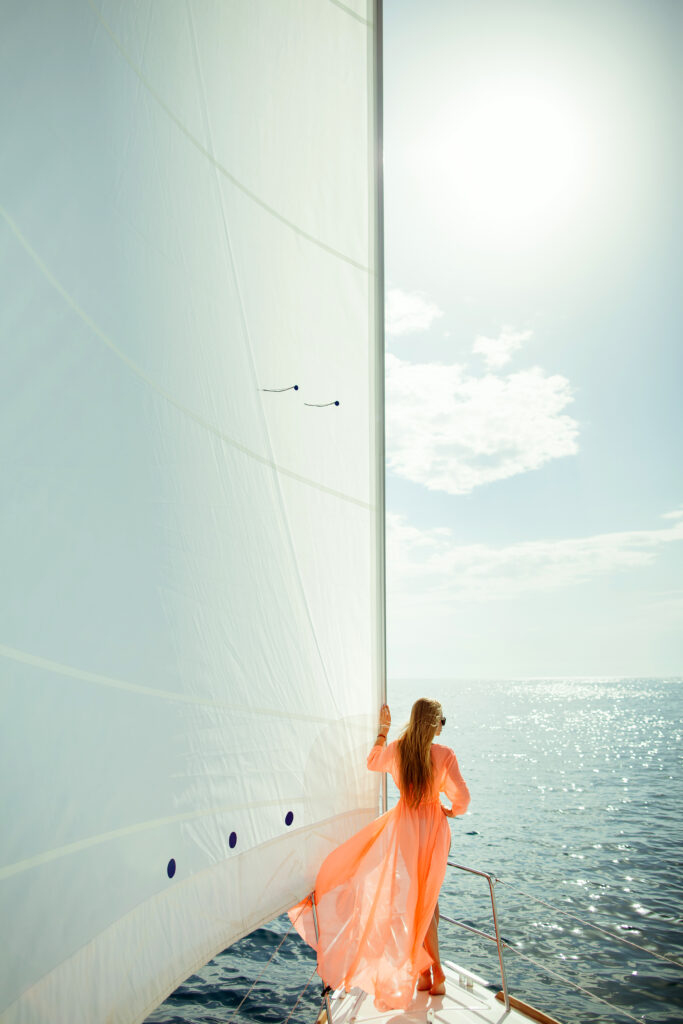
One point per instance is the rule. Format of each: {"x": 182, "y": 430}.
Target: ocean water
{"x": 576, "y": 799}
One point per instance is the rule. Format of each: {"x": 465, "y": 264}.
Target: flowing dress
{"x": 377, "y": 892}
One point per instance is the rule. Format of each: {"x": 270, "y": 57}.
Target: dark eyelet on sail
{"x": 170, "y": 868}
{"x": 289, "y": 818}
{"x": 232, "y": 841}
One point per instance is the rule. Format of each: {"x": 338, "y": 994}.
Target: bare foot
{"x": 424, "y": 980}
{"x": 438, "y": 987}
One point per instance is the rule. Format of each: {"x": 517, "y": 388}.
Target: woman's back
{"x": 446, "y": 777}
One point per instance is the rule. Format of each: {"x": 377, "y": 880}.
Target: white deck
{"x": 461, "y": 1005}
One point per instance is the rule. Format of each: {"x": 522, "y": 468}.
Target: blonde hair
{"x": 414, "y": 745}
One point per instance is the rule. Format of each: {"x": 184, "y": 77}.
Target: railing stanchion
{"x": 498, "y": 943}
{"x": 490, "y": 879}
{"x": 326, "y": 991}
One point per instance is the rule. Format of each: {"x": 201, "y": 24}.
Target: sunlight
{"x": 511, "y": 161}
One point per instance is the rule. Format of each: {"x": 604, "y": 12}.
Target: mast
{"x": 379, "y": 350}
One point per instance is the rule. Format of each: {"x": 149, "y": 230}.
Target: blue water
{"x": 576, "y": 799}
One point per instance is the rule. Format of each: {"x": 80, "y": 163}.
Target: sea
{"x": 576, "y": 809}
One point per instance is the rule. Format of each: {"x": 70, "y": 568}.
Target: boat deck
{"x": 468, "y": 1000}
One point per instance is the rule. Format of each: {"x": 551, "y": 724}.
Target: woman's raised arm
{"x": 377, "y": 762}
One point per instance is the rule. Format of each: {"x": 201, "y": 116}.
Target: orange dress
{"x": 376, "y": 893}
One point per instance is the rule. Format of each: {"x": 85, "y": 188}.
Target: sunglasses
{"x": 443, "y": 721}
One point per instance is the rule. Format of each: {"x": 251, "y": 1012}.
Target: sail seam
{"x": 219, "y": 166}
{"x": 128, "y": 830}
{"x": 139, "y": 372}
{"x": 83, "y": 675}
{"x": 145, "y": 826}
{"x": 352, "y": 13}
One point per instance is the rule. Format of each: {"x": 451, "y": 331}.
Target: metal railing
{"x": 476, "y": 931}
{"x": 502, "y": 943}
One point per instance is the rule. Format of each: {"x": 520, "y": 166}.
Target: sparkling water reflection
{"x": 576, "y": 800}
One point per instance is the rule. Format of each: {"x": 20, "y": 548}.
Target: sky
{"x": 533, "y": 226}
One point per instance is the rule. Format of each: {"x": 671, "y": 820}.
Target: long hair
{"x": 414, "y": 745}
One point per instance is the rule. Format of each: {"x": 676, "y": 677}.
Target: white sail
{"x": 191, "y": 605}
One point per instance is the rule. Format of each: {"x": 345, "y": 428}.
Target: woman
{"x": 376, "y": 894}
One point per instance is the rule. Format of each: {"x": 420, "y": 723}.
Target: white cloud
{"x": 409, "y": 312}
{"x": 498, "y": 351}
{"x": 428, "y": 565}
{"x": 453, "y": 431}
